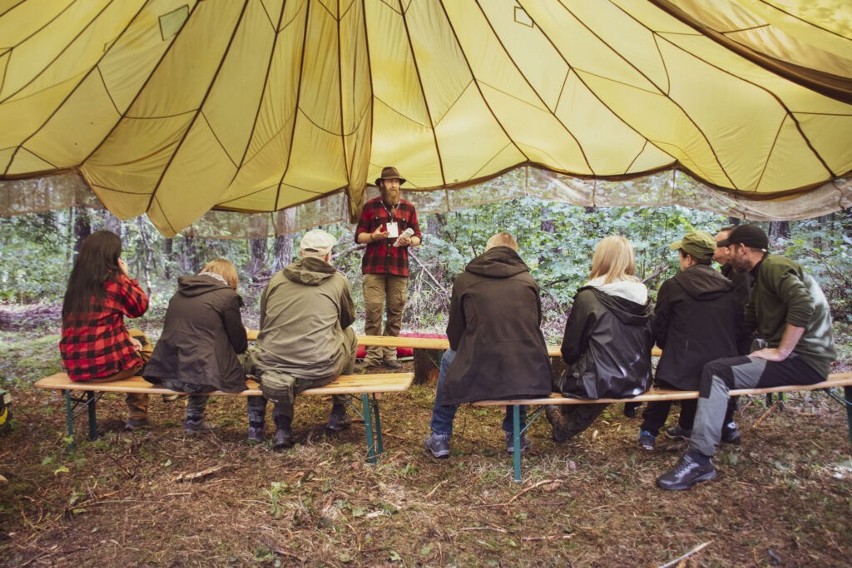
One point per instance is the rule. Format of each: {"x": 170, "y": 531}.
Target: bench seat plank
{"x": 435, "y": 343}
{"x": 835, "y": 380}
{"x": 344, "y": 384}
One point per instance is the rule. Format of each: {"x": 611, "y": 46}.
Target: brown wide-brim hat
{"x": 390, "y": 172}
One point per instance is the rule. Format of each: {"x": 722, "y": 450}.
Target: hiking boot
{"x": 365, "y": 365}
{"x": 393, "y": 364}
{"x": 283, "y": 439}
{"x": 338, "y": 419}
{"x": 647, "y": 440}
{"x": 554, "y": 416}
{"x": 630, "y": 409}
{"x": 438, "y": 445}
{"x": 678, "y": 433}
{"x": 510, "y": 443}
{"x": 256, "y": 435}
{"x": 198, "y": 426}
{"x": 731, "y": 433}
{"x": 686, "y": 474}
{"x": 137, "y": 423}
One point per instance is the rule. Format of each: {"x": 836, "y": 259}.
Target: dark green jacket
{"x": 783, "y": 295}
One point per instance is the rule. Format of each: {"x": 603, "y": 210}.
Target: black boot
{"x": 283, "y": 434}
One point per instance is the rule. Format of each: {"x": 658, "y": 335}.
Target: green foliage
{"x": 556, "y": 240}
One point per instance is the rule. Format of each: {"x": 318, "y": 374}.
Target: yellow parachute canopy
{"x": 176, "y": 107}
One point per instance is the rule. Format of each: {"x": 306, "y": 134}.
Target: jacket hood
{"x": 309, "y": 271}
{"x": 701, "y": 282}
{"x": 196, "y": 285}
{"x": 627, "y": 311}
{"x": 498, "y": 262}
{"x": 632, "y": 290}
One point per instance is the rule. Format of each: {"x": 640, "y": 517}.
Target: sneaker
{"x": 554, "y": 416}
{"x": 283, "y": 439}
{"x": 256, "y": 435}
{"x": 438, "y": 445}
{"x": 137, "y": 423}
{"x": 510, "y": 443}
{"x": 393, "y": 364}
{"x": 686, "y": 474}
{"x": 678, "y": 433}
{"x": 731, "y": 433}
{"x": 170, "y": 397}
{"x": 196, "y": 426}
{"x": 647, "y": 440}
{"x": 338, "y": 419}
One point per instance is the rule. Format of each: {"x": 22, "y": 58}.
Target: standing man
{"x": 305, "y": 338}
{"x": 790, "y": 311}
{"x": 497, "y": 350}
{"x": 382, "y": 227}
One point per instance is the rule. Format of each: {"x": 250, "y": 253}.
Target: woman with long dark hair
{"x": 95, "y": 344}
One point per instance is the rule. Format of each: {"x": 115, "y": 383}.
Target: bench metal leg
{"x": 516, "y": 440}
{"x": 379, "y": 443}
{"x": 368, "y": 428}
{"x": 69, "y": 419}
{"x": 91, "y": 402}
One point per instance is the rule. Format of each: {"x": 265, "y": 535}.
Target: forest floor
{"x": 161, "y": 498}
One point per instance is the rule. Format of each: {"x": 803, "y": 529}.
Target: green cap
{"x": 697, "y": 243}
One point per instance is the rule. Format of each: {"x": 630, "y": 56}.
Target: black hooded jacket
{"x": 202, "y": 334}
{"x": 495, "y": 313}
{"x": 698, "y": 318}
{"x": 607, "y": 346}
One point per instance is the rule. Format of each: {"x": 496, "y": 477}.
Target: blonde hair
{"x": 502, "y": 240}
{"x": 613, "y": 260}
{"x": 223, "y": 268}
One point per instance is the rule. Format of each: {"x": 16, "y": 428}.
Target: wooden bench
{"x": 365, "y": 387}
{"x": 432, "y": 343}
{"x": 833, "y": 381}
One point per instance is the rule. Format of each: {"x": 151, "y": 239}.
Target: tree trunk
{"x": 778, "y": 230}
{"x": 168, "y": 250}
{"x": 283, "y": 252}
{"x": 82, "y": 227}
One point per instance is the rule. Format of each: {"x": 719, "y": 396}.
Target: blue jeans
{"x": 443, "y": 416}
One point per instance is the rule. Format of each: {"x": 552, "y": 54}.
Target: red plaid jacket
{"x": 381, "y": 257}
{"x": 96, "y": 344}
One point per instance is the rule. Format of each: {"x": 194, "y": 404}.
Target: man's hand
{"x": 378, "y": 235}
{"x": 403, "y": 241}
{"x": 770, "y": 354}
{"x": 137, "y": 345}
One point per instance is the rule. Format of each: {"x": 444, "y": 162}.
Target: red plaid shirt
{"x": 96, "y": 344}
{"x": 381, "y": 257}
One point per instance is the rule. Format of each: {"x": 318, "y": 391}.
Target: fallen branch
{"x": 676, "y": 561}
{"x": 201, "y": 474}
{"x": 765, "y": 414}
{"x": 551, "y": 537}
{"x": 527, "y": 490}
{"x": 436, "y": 488}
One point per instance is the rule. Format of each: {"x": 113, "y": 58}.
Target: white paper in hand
{"x": 406, "y": 233}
